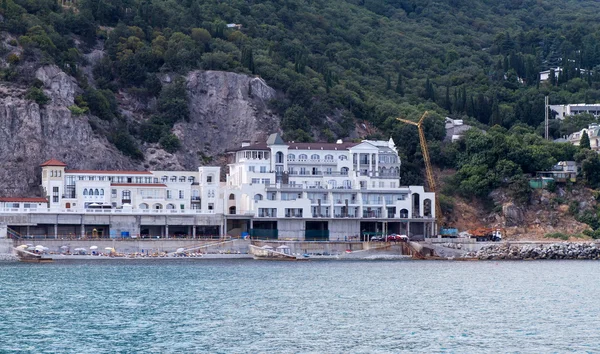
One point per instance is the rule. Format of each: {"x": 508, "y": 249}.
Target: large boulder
{"x": 513, "y": 215}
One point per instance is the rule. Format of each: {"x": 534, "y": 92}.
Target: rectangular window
{"x": 180, "y": 194}
{"x": 54, "y": 194}
{"x": 263, "y": 169}
{"x": 266, "y": 181}
{"x": 381, "y": 184}
{"x": 101, "y": 178}
{"x": 255, "y": 180}
{"x": 392, "y": 184}
{"x": 251, "y": 168}
{"x": 114, "y": 193}
{"x": 211, "y": 206}
{"x": 15, "y": 205}
{"x": 169, "y": 196}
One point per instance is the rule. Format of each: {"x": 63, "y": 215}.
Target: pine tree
{"x": 584, "y": 143}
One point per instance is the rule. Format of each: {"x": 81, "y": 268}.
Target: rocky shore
{"x": 564, "y": 250}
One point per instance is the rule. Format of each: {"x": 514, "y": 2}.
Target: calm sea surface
{"x": 245, "y": 306}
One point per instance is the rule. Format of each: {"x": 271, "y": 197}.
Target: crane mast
{"x": 428, "y": 168}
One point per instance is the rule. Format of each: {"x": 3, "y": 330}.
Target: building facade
{"x": 592, "y": 131}
{"x": 565, "y": 110}
{"x": 304, "y": 191}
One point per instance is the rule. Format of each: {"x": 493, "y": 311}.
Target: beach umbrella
{"x": 22, "y": 247}
{"x": 108, "y": 248}
{"x": 180, "y": 250}
{"x": 39, "y": 246}
{"x": 94, "y": 247}
{"x": 64, "y": 247}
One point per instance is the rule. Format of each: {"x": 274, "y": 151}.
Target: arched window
{"x": 182, "y": 179}
{"x": 85, "y": 192}
{"x": 144, "y": 206}
{"x": 314, "y": 157}
{"x": 96, "y": 192}
{"x": 232, "y": 196}
{"x": 343, "y": 157}
{"x": 164, "y": 179}
{"x": 291, "y": 157}
{"x": 170, "y": 206}
{"x": 51, "y": 173}
{"x": 191, "y": 179}
{"x": 279, "y": 157}
{"x": 344, "y": 171}
{"x": 258, "y": 197}
{"x": 303, "y": 157}
{"x": 328, "y": 157}
{"x": 102, "y": 191}
{"x": 232, "y": 210}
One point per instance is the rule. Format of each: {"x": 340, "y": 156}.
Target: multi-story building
{"x": 564, "y": 110}
{"x": 305, "y": 191}
{"x": 593, "y": 133}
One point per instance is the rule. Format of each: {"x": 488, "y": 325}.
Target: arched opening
{"x": 232, "y": 210}
{"x": 85, "y": 191}
{"x": 170, "y": 206}
{"x": 279, "y": 157}
{"x": 232, "y": 196}
{"x": 314, "y": 157}
{"x": 416, "y": 207}
{"x": 96, "y": 192}
{"x": 68, "y": 205}
{"x": 291, "y": 157}
{"x": 328, "y": 157}
{"x": 102, "y": 192}
{"x": 144, "y": 206}
{"x": 344, "y": 171}
{"x": 427, "y": 207}
{"x": 404, "y": 213}
{"x": 157, "y": 206}
{"x": 258, "y": 197}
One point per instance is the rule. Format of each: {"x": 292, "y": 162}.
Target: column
{"x": 376, "y": 165}
{"x": 408, "y": 228}
{"x": 194, "y": 231}
{"x": 166, "y": 230}
{"x": 27, "y": 230}
{"x": 56, "y": 231}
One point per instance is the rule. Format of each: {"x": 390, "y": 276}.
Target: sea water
{"x": 246, "y": 306}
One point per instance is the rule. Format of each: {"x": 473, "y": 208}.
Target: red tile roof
{"x": 25, "y": 200}
{"x": 138, "y": 184}
{"x": 53, "y": 162}
{"x": 110, "y": 172}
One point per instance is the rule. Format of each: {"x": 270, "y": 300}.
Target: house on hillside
{"x": 455, "y": 129}
{"x": 592, "y": 131}
{"x": 562, "y": 172}
{"x": 565, "y": 110}
{"x": 545, "y": 75}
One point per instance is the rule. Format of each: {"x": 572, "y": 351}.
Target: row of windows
{"x": 304, "y": 157}
{"x": 92, "y": 191}
{"x": 55, "y": 173}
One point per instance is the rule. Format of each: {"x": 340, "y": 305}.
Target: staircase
{"x": 13, "y": 234}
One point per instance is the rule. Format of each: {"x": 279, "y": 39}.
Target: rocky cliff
{"x": 226, "y": 108}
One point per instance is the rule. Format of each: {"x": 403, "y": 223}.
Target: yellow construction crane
{"x": 428, "y": 169}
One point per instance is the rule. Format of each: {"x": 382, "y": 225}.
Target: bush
{"x": 102, "y": 103}
{"x": 77, "y": 111}
{"x": 559, "y": 235}
{"x": 152, "y": 133}
{"x": 551, "y": 186}
{"x": 37, "y": 95}
{"x": 125, "y": 143}
{"x": 13, "y": 59}
{"x": 170, "y": 143}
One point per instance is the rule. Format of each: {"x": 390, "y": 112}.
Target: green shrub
{"x": 558, "y": 235}
{"x": 170, "y": 143}
{"x": 125, "y": 143}
{"x": 551, "y": 186}
{"x": 152, "y": 133}
{"x": 37, "y": 95}
{"x": 77, "y": 111}
{"x": 13, "y": 59}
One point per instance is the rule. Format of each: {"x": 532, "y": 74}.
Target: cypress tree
{"x": 399, "y": 88}
{"x": 584, "y": 143}
{"x": 388, "y": 83}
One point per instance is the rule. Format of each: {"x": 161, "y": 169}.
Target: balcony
{"x": 343, "y": 216}
{"x": 293, "y": 215}
{"x": 125, "y": 201}
{"x": 371, "y": 214}
{"x": 316, "y": 201}
{"x": 195, "y": 199}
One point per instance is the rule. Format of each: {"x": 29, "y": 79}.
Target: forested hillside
{"x": 337, "y": 63}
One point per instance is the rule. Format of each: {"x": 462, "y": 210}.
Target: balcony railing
{"x": 106, "y": 211}
{"x": 195, "y": 199}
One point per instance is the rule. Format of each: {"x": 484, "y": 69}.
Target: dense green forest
{"x": 339, "y": 62}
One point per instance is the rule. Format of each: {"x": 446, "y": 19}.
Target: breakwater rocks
{"x": 8, "y": 258}
{"x": 564, "y": 250}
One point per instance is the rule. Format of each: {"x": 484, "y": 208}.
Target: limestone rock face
{"x": 30, "y": 135}
{"x": 59, "y": 86}
{"x": 513, "y": 215}
{"x": 225, "y": 109}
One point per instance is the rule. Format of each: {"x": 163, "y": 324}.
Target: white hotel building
{"x": 304, "y": 191}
